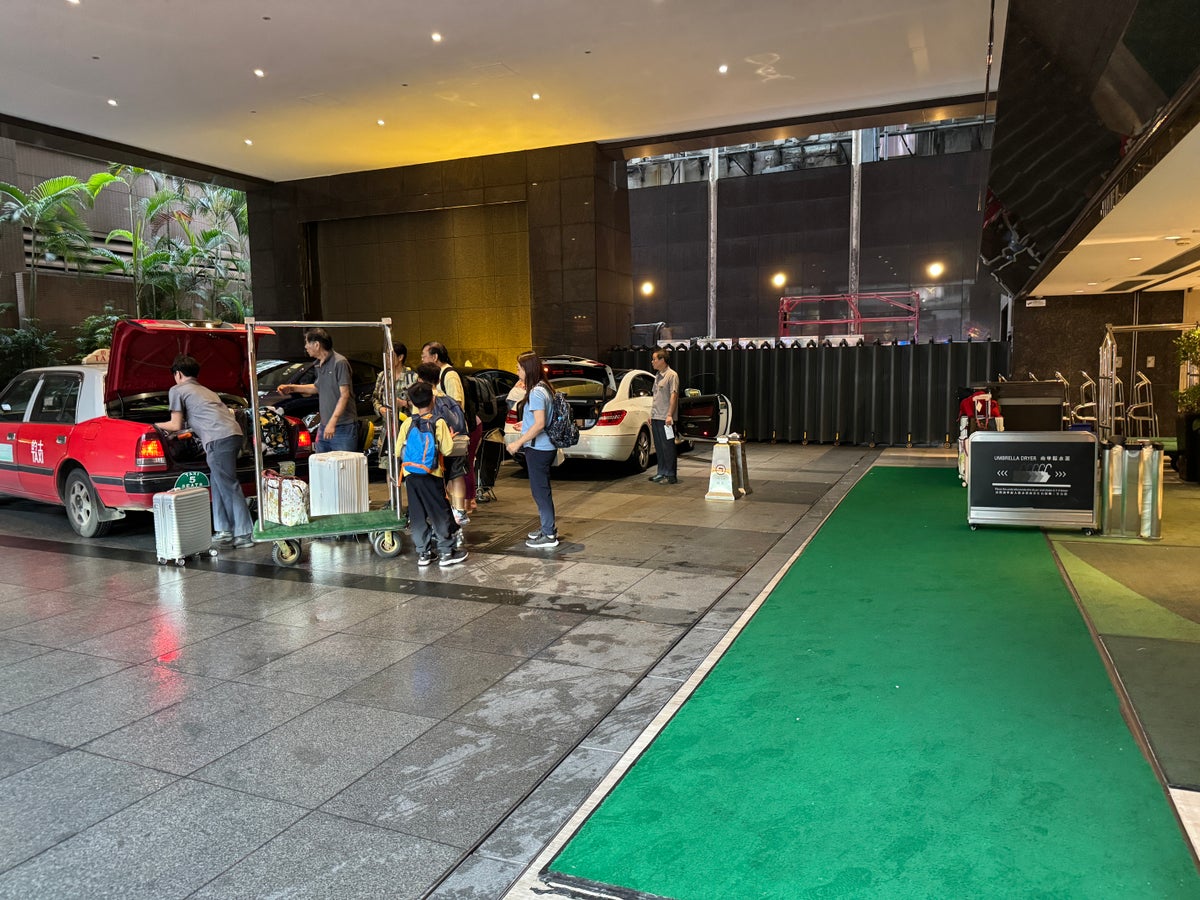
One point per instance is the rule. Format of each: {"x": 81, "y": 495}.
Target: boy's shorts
{"x": 456, "y": 467}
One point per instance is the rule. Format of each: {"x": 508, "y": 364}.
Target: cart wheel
{"x": 1089, "y": 531}
{"x": 181, "y": 562}
{"x": 908, "y": 444}
{"x": 162, "y": 561}
{"x": 387, "y": 544}
{"x": 286, "y": 553}
{"x": 212, "y": 551}
{"x": 974, "y": 527}
{"x": 871, "y": 445}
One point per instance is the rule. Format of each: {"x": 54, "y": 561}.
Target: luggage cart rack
{"x": 383, "y": 526}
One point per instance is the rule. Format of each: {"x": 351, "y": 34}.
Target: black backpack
{"x": 471, "y": 394}
{"x": 560, "y": 422}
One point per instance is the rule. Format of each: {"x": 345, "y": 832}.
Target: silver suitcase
{"x": 183, "y": 524}
{"x": 337, "y": 483}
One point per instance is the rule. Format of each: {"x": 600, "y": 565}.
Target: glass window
{"x": 641, "y": 386}
{"x": 57, "y": 399}
{"x": 15, "y": 398}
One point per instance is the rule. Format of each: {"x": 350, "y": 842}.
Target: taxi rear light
{"x": 151, "y": 454}
{"x": 613, "y": 417}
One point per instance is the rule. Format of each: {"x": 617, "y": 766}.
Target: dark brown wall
{"x": 577, "y": 211}
{"x": 1065, "y": 336}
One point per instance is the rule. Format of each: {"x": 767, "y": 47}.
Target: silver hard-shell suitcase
{"x": 183, "y": 524}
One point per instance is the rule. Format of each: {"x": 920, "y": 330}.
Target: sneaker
{"x": 460, "y": 539}
{"x": 242, "y": 542}
{"x": 543, "y": 540}
{"x": 657, "y": 479}
{"x": 223, "y": 537}
{"x": 453, "y": 558}
{"x": 671, "y": 480}
{"x": 461, "y": 517}
{"x": 425, "y": 558}
{"x": 534, "y": 535}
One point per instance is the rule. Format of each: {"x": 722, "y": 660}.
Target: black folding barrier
{"x": 894, "y": 394}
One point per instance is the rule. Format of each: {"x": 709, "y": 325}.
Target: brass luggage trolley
{"x": 384, "y": 526}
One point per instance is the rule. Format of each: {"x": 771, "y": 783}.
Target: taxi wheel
{"x": 387, "y": 544}
{"x": 639, "y": 459}
{"x": 83, "y": 506}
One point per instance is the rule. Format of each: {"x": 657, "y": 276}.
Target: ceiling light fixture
{"x": 935, "y": 269}
{"x": 112, "y": 102}
{"x": 73, "y": 2}
{"x": 537, "y": 96}
{"x": 436, "y": 36}
{"x": 722, "y": 68}
{"x": 249, "y": 143}
{"x": 380, "y": 122}
{"x": 1135, "y": 259}
{"x": 1172, "y": 237}
{"x": 779, "y": 279}
{"x": 1093, "y": 283}
{"x": 260, "y": 73}
{"x": 647, "y": 288}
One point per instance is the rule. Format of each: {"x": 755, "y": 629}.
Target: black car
{"x": 296, "y": 370}
{"x": 496, "y": 383}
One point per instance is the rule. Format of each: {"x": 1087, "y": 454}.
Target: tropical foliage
{"x": 96, "y": 331}
{"x": 26, "y": 348}
{"x": 1187, "y": 345}
{"x": 52, "y": 212}
{"x": 188, "y": 249}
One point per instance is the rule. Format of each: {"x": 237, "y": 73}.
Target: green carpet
{"x": 917, "y": 711}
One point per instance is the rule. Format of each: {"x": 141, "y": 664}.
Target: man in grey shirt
{"x": 662, "y": 417}
{"x": 339, "y": 427}
{"x": 214, "y": 424}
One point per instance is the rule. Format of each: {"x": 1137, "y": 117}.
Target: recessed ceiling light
{"x": 249, "y": 143}
{"x": 73, "y": 2}
{"x": 1172, "y": 237}
{"x": 260, "y": 73}
{"x": 437, "y": 36}
{"x": 722, "y": 68}
{"x": 380, "y": 122}
{"x": 1079, "y": 290}
{"x": 537, "y": 96}
{"x": 112, "y": 102}
{"x": 1135, "y": 259}
{"x": 1093, "y": 283}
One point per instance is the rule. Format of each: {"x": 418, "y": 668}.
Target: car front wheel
{"x": 83, "y": 506}
{"x": 639, "y": 459}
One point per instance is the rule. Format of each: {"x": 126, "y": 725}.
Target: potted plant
{"x": 1187, "y": 461}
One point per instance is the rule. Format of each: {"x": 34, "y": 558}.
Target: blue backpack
{"x": 449, "y": 409}
{"x": 420, "y": 456}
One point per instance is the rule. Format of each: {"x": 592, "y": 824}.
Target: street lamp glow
{"x": 779, "y": 279}
{"x": 647, "y": 288}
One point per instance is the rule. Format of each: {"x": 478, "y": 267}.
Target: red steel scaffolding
{"x": 907, "y": 304}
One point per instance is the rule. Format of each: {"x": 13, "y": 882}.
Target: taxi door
{"x": 42, "y": 439}
{"x": 14, "y": 403}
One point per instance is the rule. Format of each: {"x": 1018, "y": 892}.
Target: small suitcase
{"x": 183, "y": 524}
{"x": 337, "y": 483}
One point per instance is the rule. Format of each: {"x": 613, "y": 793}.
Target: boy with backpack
{"x": 424, "y": 440}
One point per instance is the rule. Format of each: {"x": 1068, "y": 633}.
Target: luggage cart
{"x": 383, "y": 526}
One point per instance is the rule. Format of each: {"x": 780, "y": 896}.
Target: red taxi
{"x": 84, "y": 436}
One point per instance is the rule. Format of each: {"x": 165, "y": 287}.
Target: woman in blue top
{"x": 539, "y": 452}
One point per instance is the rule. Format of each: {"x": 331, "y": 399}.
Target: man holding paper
{"x": 662, "y": 417}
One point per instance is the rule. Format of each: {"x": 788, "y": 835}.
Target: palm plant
{"x": 51, "y": 212}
